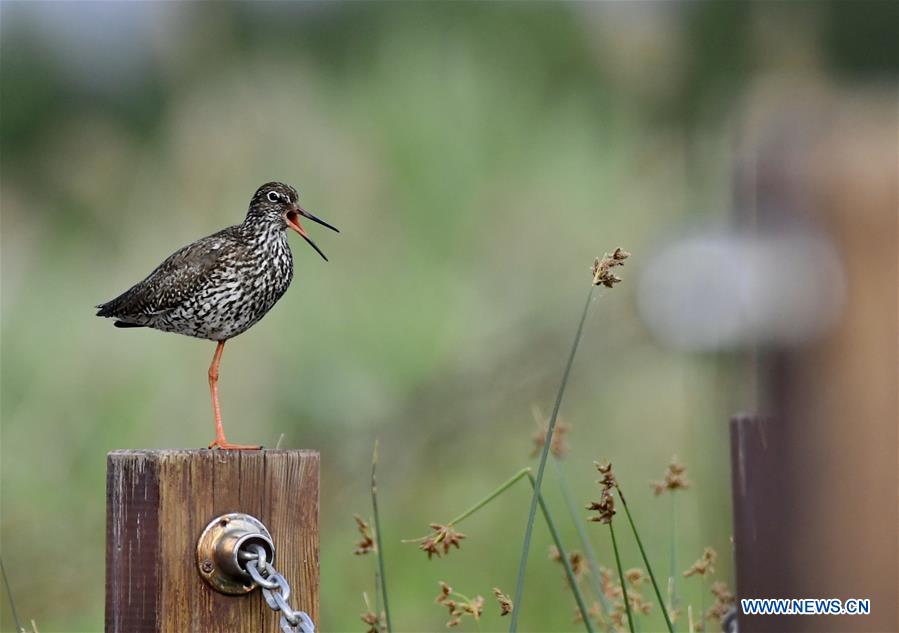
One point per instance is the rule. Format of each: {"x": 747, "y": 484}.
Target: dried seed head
{"x": 705, "y": 565}
{"x": 445, "y": 591}
{"x": 602, "y": 268}
{"x": 558, "y": 446}
{"x": 474, "y": 607}
{"x": 429, "y": 546}
{"x": 505, "y": 603}
{"x": 719, "y": 590}
{"x": 675, "y": 478}
{"x": 724, "y": 600}
{"x": 459, "y": 607}
{"x": 369, "y": 618}
{"x": 635, "y": 576}
{"x": 576, "y": 561}
{"x": 440, "y": 540}
{"x": 366, "y": 544}
{"x": 608, "y": 477}
{"x": 595, "y": 613}
{"x": 578, "y": 564}
{"x": 375, "y": 623}
{"x": 638, "y": 603}
{"x": 605, "y": 507}
{"x": 451, "y": 537}
{"x": 607, "y": 582}
{"x": 618, "y": 616}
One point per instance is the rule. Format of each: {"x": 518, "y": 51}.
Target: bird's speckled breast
{"x": 238, "y": 292}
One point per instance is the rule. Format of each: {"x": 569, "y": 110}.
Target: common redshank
{"x": 221, "y": 285}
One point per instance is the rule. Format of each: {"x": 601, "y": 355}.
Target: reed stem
{"x": 652, "y": 576}
{"x": 12, "y": 603}
{"x": 532, "y": 513}
{"x": 490, "y": 497}
{"x": 380, "y": 552}
{"x": 627, "y": 604}
{"x": 569, "y": 572}
{"x": 578, "y": 520}
{"x": 378, "y": 599}
{"x": 672, "y": 579}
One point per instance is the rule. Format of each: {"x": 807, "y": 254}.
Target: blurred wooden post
{"x": 757, "y": 475}
{"x": 158, "y": 503}
{"x": 820, "y": 512}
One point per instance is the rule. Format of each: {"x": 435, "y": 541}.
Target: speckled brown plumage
{"x": 220, "y": 285}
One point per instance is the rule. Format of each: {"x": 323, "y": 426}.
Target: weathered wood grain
{"x": 159, "y": 501}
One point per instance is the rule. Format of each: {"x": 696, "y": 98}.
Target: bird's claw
{"x": 224, "y": 445}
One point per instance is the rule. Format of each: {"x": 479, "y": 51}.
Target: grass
{"x": 442, "y": 534}
{"x": 490, "y": 497}
{"x": 578, "y": 521}
{"x": 443, "y": 538}
{"x": 563, "y": 555}
{"x": 532, "y": 512}
{"x": 673, "y": 598}
{"x": 445, "y": 535}
{"x": 12, "y": 603}
{"x": 379, "y": 550}
{"x": 602, "y": 275}
{"x": 652, "y": 576}
{"x": 621, "y": 579}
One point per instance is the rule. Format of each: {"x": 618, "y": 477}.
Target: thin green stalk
{"x": 652, "y": 576}
{"x": 378, "y": 600}
{"x": 480, "y": 504}
{"x": 374, "y": 505}
{"x": 493, "y": 495}
{"x": 572, "y": 581}
{"x": 578, "y": 520}
{"x": 672, "y": 579}
{"x": 627, "y": 604}
{"x": 12, "y": 603}
{"x": 532, "y": 513}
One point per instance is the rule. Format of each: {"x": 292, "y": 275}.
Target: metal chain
{"x": 275, "y": 590}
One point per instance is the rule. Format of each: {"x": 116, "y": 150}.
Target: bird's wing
{"x": 175, "y": 279}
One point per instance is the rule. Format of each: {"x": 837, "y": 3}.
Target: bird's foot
{"x": 224, "y": 445}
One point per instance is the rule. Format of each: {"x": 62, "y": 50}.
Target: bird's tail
{"x": 126, "y": 324}
{"x": 108, "y": 309}
{"x": 115, "y": 307}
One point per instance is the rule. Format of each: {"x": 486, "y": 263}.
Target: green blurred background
{"x": 476, "y": 157}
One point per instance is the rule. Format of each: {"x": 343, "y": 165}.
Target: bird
{"x": 221, "y": 285}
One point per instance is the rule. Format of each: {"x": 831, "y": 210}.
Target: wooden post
{"x": 159, "y": 502}
{"x": 817, "y": 515}
{"x": 757, "y": 477}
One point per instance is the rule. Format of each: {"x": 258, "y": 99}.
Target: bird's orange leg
{"x": 220, "y": 441}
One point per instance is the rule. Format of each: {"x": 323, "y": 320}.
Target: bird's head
{"x": 277, "y": 203}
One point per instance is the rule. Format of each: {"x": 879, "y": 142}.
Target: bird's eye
{"x": 273, "y": 196}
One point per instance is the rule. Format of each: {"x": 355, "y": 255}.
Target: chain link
{"x": 275, "y": 591}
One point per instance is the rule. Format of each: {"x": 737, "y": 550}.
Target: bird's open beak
{"x": 292, "y": 217}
